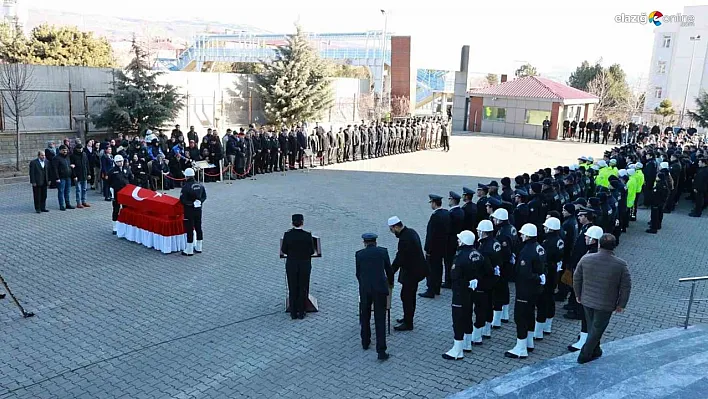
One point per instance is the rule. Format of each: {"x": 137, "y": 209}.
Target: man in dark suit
{"x": 457, "y": 219}
{"x": 470, "y": 210}
{"x": 299, "y": 248}
{"x": 39, "y": 178}
{"x": 436, "y": 243}
{"x": 411, "y": 262}
{"x": 375, "y": 275}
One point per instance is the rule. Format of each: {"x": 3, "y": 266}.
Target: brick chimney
{"x": 503, "y": 78}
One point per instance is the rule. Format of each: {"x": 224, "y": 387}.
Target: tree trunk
{"x": 17, "y": 131}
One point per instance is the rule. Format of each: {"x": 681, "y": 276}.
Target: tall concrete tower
{"x": 14, "y": 12}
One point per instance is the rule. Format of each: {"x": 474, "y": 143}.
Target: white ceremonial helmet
{"x": 118, "y": 158}
{"x": 467, "y": 237}
{"x": 189, "y": 172}
{"x": 501, "y": 214}
{"x": 529, "y": 230}
{"x": 552, "y": 224}
{"x": 485, "y": 226}
{"x": 594, "y": 232}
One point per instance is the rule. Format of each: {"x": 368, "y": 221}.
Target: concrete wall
{"x": 514, "y": 124}
{"x": 212, "y": 100}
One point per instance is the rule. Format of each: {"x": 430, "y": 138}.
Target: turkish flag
{"x": 150, "y": 202}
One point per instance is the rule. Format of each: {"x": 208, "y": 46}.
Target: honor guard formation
{"x": 550, "y": 234}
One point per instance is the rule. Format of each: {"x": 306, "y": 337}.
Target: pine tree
{"x": 138, "y": 102}
{"x": 294, "y": 87}
{"x": 701, "y": 113}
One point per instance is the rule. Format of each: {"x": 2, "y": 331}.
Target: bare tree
{"x": 634, "y": 102}
{"x": 600, "y": 86}
{"x": 16, "y": 81}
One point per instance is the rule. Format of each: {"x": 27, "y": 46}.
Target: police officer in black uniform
{"x": 470, "y": 210}
{"x": 530, "y": 277}
{"x": 457, "y": 216}
{"x": 118, "y": 177}
{"x": 192, "y": 198}
{"x": 436, "y": 243}
{"x": 467, "y": 272}
{"x": 554, "y": 246}
{"x": 375, "y": 275}
{"x": 491, "y": 249}
{"x": 299, "y": 248}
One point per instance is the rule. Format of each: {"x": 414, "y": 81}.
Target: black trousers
{"x": 500, "y": 294}
{"x": 699, "y": 198}
{"x": 298, "y": 285}
{"x": 39, "y": 193}
{"x": 116, "y": 210}
{"x": 193, "y": 222}
{"x": 545, "y": 134}
{"x": 480, "y": 301}
{"x": 434, "y": 280}
{"x": 523, "y": 317}
{"x": 445, "y": 142}
{"x": 581, "y": 134}
{"x": 461, "y": 321}
{"x": 408, "y": 298}
{"x": 657, "y": 213}
{"x": 379, "y": 303}
{"x": 546, "y": 305}
{"x": 598, "y": 320}
{"x": 449, "y": 259}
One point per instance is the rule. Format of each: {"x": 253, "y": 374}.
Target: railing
{"x": 691, "y": 299}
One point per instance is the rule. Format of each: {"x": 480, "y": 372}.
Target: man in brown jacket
{"x": 602, "y": 284}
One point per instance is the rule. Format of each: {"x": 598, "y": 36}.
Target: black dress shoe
{"x": 69, "y": 207}
{"x": 2, "y": 296}
{"x": 446, "y": 285}
{"x": 400, "y": 321}
{"x": 37, "y": 211}
{"x": 45, "y": 210}
{"x": 651, "y": 231}
{"x": 365, "y": 346}
{"x": 62, "y": 208}
{"x": 427, "y": 294}
{"x": 572, "y": 316}
{"x": 301, "y": 315}
{"x": 383, "y": 356}
{"x": 403, "y": 327}
{"x": 293, "y": 316}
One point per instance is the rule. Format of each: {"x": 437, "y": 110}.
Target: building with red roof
{"x": 519, "y": 107}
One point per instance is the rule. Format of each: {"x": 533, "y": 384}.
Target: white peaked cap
{"x": 622, "y": 172}
{"x": 393, "y": 220}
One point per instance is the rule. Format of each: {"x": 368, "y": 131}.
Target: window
{"x": 661, "y": 67}
{"x": 536, "y": 117}
{"x": 667, "y": 42}
{"x": 657, "y": 92}
{"x": 495, "y": 114}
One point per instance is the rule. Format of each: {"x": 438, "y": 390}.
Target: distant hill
{"x": 118, "y": 29}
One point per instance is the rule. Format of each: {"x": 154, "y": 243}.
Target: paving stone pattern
{"x": 117, "y": 320}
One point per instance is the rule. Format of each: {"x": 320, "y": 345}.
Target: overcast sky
{"x": 553, "y": 35}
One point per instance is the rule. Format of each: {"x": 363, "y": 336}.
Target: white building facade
{"x": 679, "y": 61}
{"x": 13, "y": 12}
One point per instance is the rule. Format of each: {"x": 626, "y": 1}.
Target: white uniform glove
{"x": 197, "y": 204}
{"x": 473, "y": 284}
{"x": 513, "y": 259}
{"x": 543, "y": 279}
{"x": 559, "y": 266}
{"x": 497, "y": 271}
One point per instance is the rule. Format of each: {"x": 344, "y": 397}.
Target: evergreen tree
{"x": 50, "y": 45}
{"x": 526, "y": 70}
{"x": 138, "y": 102}
{"x": 294, "y": 87}
{"x": 584, "y": 74}
{"x": 665, "y": 108}
{"x": 701, "y": 113}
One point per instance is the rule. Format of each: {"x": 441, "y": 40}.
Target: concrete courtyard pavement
{"x": 117, "y": 320}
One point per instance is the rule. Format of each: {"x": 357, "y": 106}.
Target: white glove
{"x": 113, "y": 194}
{"x": 497, "y": 271}
{"x": 543, "y": 279}
{"x": 473, "y": 284}
{"x": 513, "y": 259}
{"x": 197, "y": 204}
{"x": 559, "y": 266}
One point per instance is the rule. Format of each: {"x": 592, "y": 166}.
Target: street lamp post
{"x": 694, "y": 39}
{"x": 383, "y": 50}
